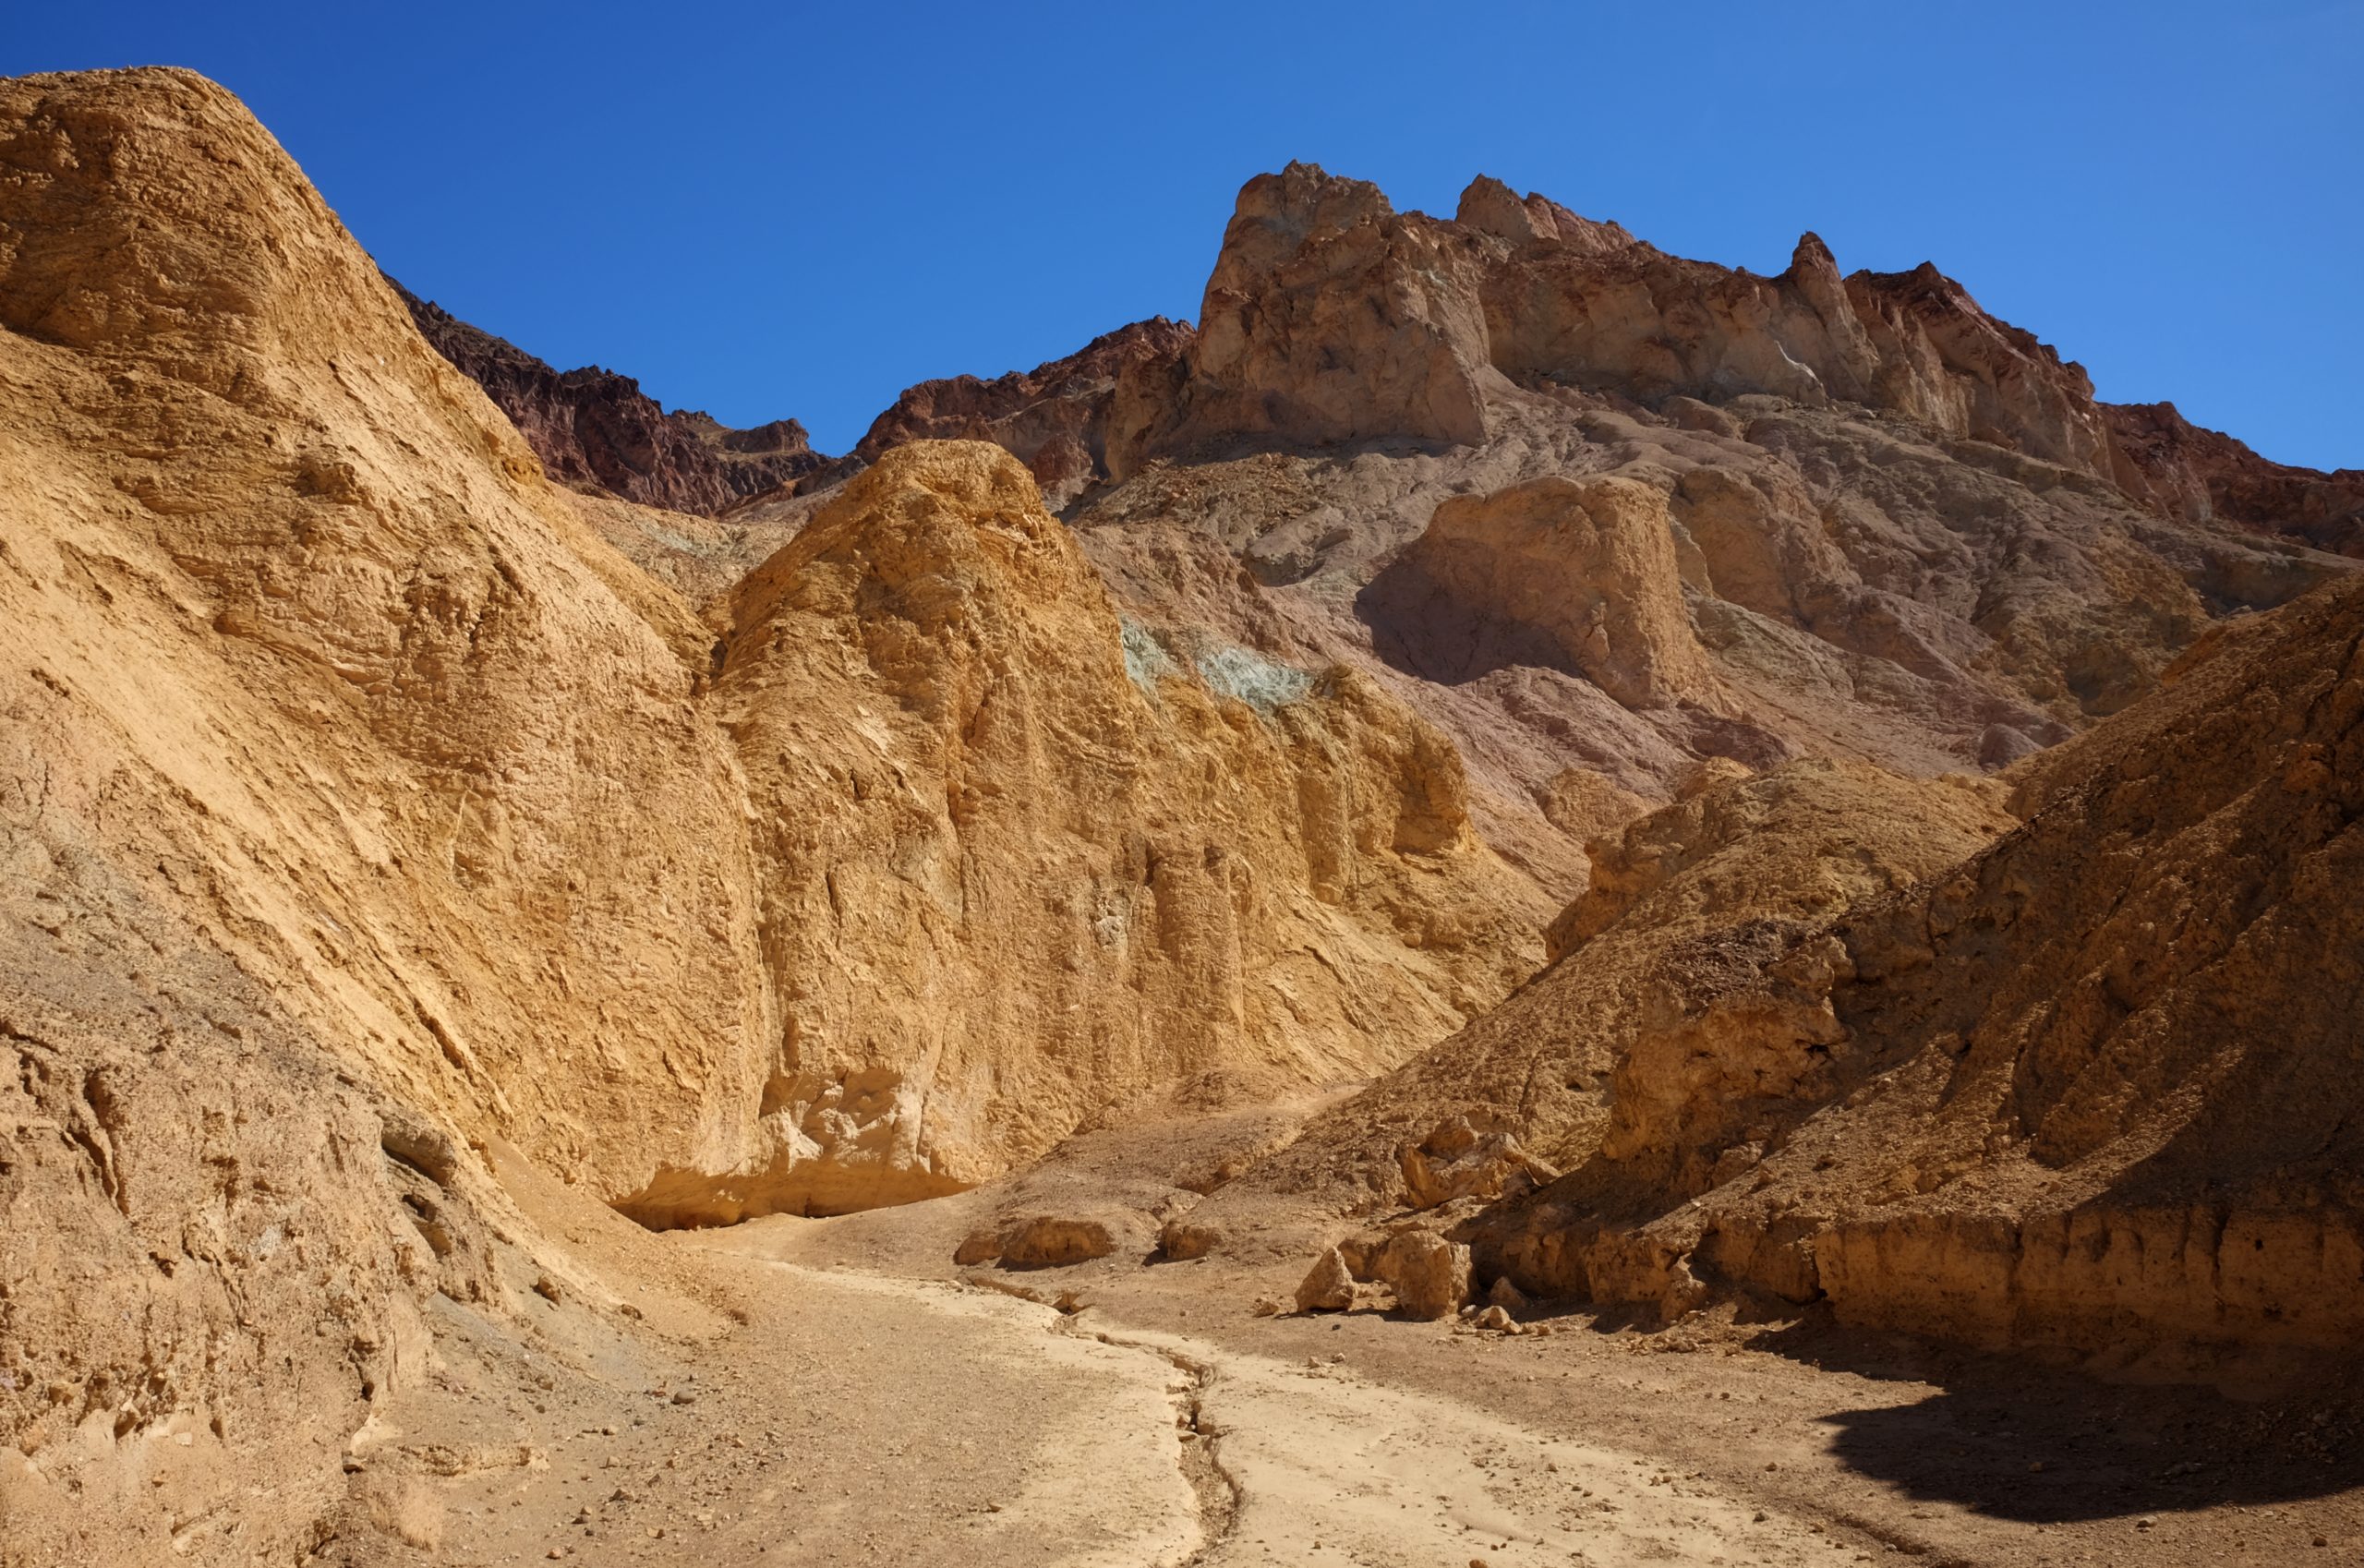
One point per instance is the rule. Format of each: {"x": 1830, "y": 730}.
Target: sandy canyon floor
{"x": 840, "y": 1392}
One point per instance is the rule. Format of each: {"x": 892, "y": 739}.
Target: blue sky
{"x": 767, "y": 210}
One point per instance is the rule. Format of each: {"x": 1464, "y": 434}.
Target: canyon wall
{"x": 366, "y": 812}
{"x": 2091, "y": 1089}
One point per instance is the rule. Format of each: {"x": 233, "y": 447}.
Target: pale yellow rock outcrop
{"x": 362, "y": 810}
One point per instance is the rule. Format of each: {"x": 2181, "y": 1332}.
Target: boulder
{"x": 1327, "y": 1287}
{"x": 1429, "y": 1275}
{"x": 1456, "y": 1161}
{"x": 1179, "y": 1239}
{"x": 1049, "y": 1241}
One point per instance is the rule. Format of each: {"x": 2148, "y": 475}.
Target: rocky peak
{"x": 1489, "y": 207}
{"x": 1330, "y": 317}
{"x": 595, "y": 429}
{"x": 1054, "y": 419}
{"x": 2180, "y": 470}
{"x": 1276, "y": 214}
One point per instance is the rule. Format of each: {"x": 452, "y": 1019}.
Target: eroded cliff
{"x": 368, "y": 813}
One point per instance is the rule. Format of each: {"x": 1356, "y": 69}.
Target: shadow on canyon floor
{"x": 2032, "y": 1443}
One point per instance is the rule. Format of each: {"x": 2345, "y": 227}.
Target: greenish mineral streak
{"x": 1261, "y": 683}
{"x": 1241, "y": 673}
{"x": 1145, "y": 660}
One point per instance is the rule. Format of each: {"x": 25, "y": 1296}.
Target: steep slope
{"x": 1022, "y": 861}
{"x": 594, "y": 429}
{"x": 323, "y": 714}
{"x": 1682, "y": 902}
{"x": 2184, "y": 471}
{"x": 2094, "y": 1088}
{"x": 369, "y": 817}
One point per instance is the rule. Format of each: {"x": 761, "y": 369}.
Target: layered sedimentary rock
{"x": 2094, "y": 1088}
{"x": 594, "y": 429}
{"x": 1896, "y": 523}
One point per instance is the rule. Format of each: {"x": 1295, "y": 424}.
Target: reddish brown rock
{"x": 2181, "y": 470}
{"x": 594, "y": 429}
{"x": 1053, "y": 419}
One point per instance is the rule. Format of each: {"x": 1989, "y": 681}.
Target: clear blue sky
{"x": 780, "y": 209}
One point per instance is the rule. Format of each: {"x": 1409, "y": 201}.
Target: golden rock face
{"x": 391, "y": 842}
{"x": 347, "y": 769}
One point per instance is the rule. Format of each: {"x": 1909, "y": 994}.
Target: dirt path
{"x": 1326, "y": 1467}
{"x": 805, "y": 1392}
{"x": 1209, "y": 1456}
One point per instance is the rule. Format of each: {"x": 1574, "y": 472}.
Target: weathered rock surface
{"x": 1429, "y": 1274}
{"x": 594, "y": 429}
{"x": 325, "y": 719}
{"x": 1051, "y": 1241}
{"x": 1327, "y": 1287}
{"x": 1903, "y": 530}
{"x": 1053, "y": 419}
{"x": 2183, "y": 471}
{"x": 366, "y": 812}
{"x": 1713, "y": 890}
{"x": 2092, "y": 1089}
{"x": 1022, "y": 861}
{"x": 1580, "y": 573}
{"x": 1458, "y": 1161}
{"x": 1898, "y": 527}
{"x": 1332, "y": 318}
{"x": 382, "y": 822}
{"x": 1180, "y": 1239}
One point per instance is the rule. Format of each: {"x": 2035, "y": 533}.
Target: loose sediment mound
{"x": 2095, "y": 1088}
